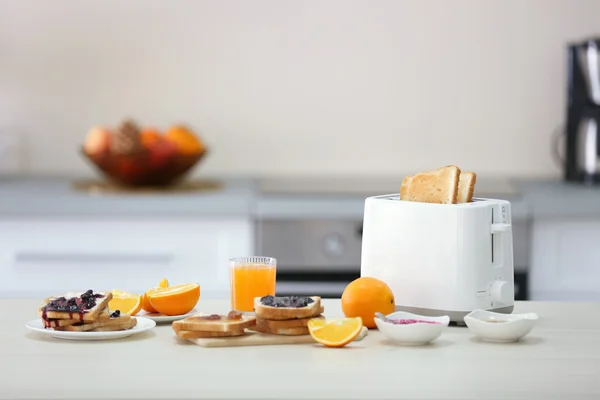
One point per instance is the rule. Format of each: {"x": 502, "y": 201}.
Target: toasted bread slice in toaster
{"x": 436, "y": 186}
{"x": 466, "y": 187}
{"x": 103, "y": 316}
{"x": 63, "y": 311}
{"x": 233, "y": 322}
{"x": 287, "y": 307}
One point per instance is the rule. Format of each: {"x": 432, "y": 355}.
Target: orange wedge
{"x": 126, "y": 303}
{"x": 174, "y": 300}
{"x": 335, "y": 332}
{"x": 146, "y": 306}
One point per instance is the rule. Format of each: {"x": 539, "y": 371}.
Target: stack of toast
{"x": 274, "y": 315}
{"x": 213, "y": 325}
{"x": 446, "y": 185}
{"x": 83, "y": 312}
{"x": 286, "y": 315}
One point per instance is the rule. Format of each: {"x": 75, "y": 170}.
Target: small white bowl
{"x": 498, "y": 327}
{"x": 415, "y": 333}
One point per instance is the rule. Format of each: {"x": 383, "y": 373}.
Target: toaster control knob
{"x": 500, "y": 292}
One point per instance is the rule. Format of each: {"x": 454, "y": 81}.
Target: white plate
{"x": 412, "y": 334}
{"x": 143, "y": 324}
{"x": 160, "y": 318}
{"x": 498, "y": 327}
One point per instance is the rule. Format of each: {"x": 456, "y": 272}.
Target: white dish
{"x": 498, "y": 327}
{"x": 415, "y": 333}
{"x": 161, "y": 318}
{"x": 363, "y": 334}
{"x": 143, "y": 324}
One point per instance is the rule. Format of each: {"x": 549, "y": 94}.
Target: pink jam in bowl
{"x": 410, "y": 321}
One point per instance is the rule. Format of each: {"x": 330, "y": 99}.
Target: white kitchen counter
{"x": 559, "y": 359}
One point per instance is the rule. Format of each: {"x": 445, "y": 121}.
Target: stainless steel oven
{"x": 314, "y": 256}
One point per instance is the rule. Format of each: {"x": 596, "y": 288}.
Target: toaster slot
{"x": 498, "y": 227}
{"x": 492, "y": 238}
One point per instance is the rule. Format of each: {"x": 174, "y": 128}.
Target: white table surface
{"x": 559, "y": 359}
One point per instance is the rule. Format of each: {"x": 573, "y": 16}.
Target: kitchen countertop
{"x": 559, "y": 359}
{"x": 278, "y": 198}
{"x": 558, "y": 199}
{"x": 57, "y": 196}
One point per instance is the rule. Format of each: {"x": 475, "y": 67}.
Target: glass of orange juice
{"x": 251, "y": 277}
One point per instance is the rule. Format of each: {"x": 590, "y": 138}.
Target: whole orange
{"x": 186, "y": 141}
{"x": 149, "y": 136}
{"x": 365, "y": 296}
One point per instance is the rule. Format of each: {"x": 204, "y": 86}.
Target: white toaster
{"x": 441, "y": 259}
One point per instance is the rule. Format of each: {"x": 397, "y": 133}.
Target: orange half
{"x": 174, "y": 300}
{"x": 335, "y": 332}
{"x": 146, "y": 306}
{"x": 126, "y": 303}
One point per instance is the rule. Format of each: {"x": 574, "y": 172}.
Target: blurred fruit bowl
{"x": 144, "y": 169}
{"x": 134, "y": 156}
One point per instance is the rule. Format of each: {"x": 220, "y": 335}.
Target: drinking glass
{"x": 251, "y": 277}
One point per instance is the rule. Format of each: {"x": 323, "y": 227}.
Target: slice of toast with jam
{"x": 287, "y": 307}
{"x": 121, "y": 326}
{"x": 208, "y": 334}
{"x": 285, "y": 324}
{"x": 115, "y": 322}
{"x": 85, "y": 306}
{"x": 103, "y": 316}
{"x": 295, "y": 331}
{"x": 232, "y": 322}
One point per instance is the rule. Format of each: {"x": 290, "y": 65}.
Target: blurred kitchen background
{"x": 304, "y": 109}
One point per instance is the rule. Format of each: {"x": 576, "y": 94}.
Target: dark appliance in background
{"x": 581, "y": 161}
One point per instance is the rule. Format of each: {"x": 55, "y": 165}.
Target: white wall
{"x": 293, "y": 87}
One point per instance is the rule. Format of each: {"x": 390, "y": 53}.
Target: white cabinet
{"x": 40, "y": 257}
{"x": 565, "y": 260}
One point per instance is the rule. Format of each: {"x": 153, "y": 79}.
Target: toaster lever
{"x": 497, "y": 228}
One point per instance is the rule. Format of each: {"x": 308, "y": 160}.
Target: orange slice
{"x": 335, "y": 332}
{"x": 126, "y": 303}
{"x": 174, "y": 300}
{"x": 146, "y": 306}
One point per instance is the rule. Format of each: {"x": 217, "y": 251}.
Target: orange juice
{"x": 251, "y": 277}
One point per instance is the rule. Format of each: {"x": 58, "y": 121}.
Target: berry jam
{"x": 287, "y": 301}
{"x": 211, "y": 317}
{"x": 73, "y": 305}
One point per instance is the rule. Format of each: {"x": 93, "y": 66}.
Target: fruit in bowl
{"x": 97, "y": 141}
{"x": 135, "y": 156}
